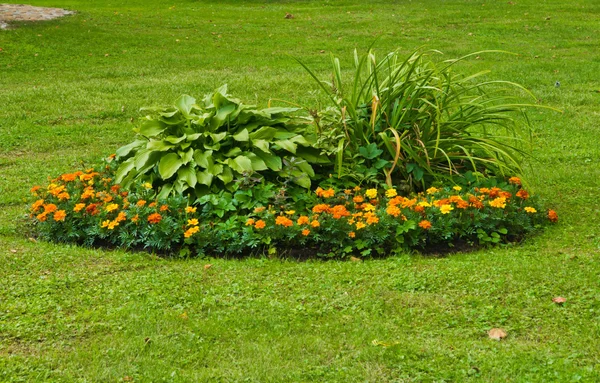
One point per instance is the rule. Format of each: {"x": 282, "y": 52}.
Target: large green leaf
{"x": 159, "y": 145}
{"x": 185, "y": 103}
{"x": 262, "y": 145}
{"x": 187, "y": 174}
{"x": 240, "y": 164}
{"x": 204, "y": 177}
{"x": 264, "y": 133}
{"x": 226, "y": 176}
{"x": 123, "y": 151}
{"x": 168, "y": 165}
{"x": 272, "y": 161}
{"x": 123, "y": 169}
{"x": 258, "y": 164}
{"x": 241, "y": 136}
{"x": 202, "y": 157}
{"x": 151, "y": 128}
{"x": 287, "y": 145}
{"x": 305, "y": 167}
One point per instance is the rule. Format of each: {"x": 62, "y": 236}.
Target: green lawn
{"x": 70, "y": 91}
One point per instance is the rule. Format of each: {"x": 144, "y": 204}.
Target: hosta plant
{"x": 198, "y": 148}
{"x": 413, "y": 121}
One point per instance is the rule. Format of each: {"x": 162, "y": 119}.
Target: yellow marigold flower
{"x": 190, "y": 209}
{"x": 372, "y": 220}
{"x": 147, "y": 185}
{"x": 347, "y": 191}
{"x": 432, "y": 190}
{"x": 457, "y": 188}
{"x": 371, "y": 193}
{"x": 351, "y": 234}
{"x": 283, "y": 221}
{"x": 194, "y": 222}
{"x": 445, "y": 209}
{"x": 259, "y": 209}
{"x": 135, "y": 218}
{"x": 290, "y": 212}
{"x": 391, "y": 193}
{"x": 191, "y": 231}
{"x": 514, "y": 180}
{"x": 260, "y": 224}
{"x": 112, "y": 225}
{"x": 360, "y": 225}
{"x": 249, "y": 222}
{"x": 78, "y": 207}
{"x": 111, "y": 207}
{"x": 424, "y": 204}
{"x": 305, "y": 232}
{"x": 530, "y": 210}
{"x": 425, "y": 224}
{"x": 499, "y": 203}
{"x": 303, "y": 220}
{"x": 315, "y": 223}
{"x": 368, "y": 207}
{"x": 60, "y": 215}
{"x": 105, "y": 223}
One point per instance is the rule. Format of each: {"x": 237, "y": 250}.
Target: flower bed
{"x": 87, "y": 207}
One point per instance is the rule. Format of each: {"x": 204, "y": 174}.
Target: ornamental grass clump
{"x": 412, "y": 121}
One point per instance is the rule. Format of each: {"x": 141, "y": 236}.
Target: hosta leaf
{"x": 145, "y": 159}
{"x": 187, "y": 174}
{"x": 168, "y": 165}
{"x": 240, "y": 164}
{"x": 312, "y": 155}
{"x": 302, "y": 180}
{"x": 272, "y": 161}
{"x": 284, "y": 135}
{"x": 217, "y": 137}
{"x": 264, "y": 133}
{"x": 186, "y": 156}
{"x": 241, "y": 136}
{"x": 306, "y": 168}
{"x": 300, "y": 140}
{"x": 159, "y": 145}
{"x": 123, "y": 169}
{"x": 280, "y": 110}
{"x": 174, "y": 139}
{"x": 262, "y": 145}
{"x": 257, "y": 163}
{"x": 151, "y": 128}
{"x": 165, "y": 190}
{"x": 185, "y": 103}
{"x": 202, "y": 158}
{"x": 222, "y": 116}
{"x": 287, "y": 145}
{"x": 123, "y": 151}
{"x": 204, "y": 177}
{"x": 226, "y": 176}
{"x": 234, "y": 152}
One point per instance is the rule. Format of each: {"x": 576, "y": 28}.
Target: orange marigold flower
{"x": 419, "y": 209}
{"x": 499, "y": 203}
{"x": 60, "y": 215}
{"x": 552, "y": 216}
{"x": 92, "y": 209}
{"x": 351, "y": 234}
{"x": 190, "y": 209}
{"x": 393, "y": 210}
{"x": 482, "y": 190}
{"x": 87, "y": 193}
{"x": 396, "y": 201}
{"x": 42, "y": 217}
{"x": 34, "y": 189}
{"x": 78, "y": 207}
{"x": 112, "y": 225}
{"x": 455, "y": 198}
{"x": 63, "y": 196}
{"x": 153, "y": 204}
{"x": 36, "y": 205}
{"x": 530, "y": 210}
{"x": 372, "y": 219}
{"x": 320, "y": 208}
{"x": 347, "y": 191}
{"x": 315, "y": 223}
{"x": 115, "y": 188}
{"x": 111, "y": 207}
{"x": 164, "y": 208}
{"x": 328, "y": 193}
{"x": 191, "y": 231}
{"x": 121, "y": 217}
{"x": 249, "y": 222}
{"x": 504, "y": 194}
{"x": 260, "y": 224}
{"x": 407, "y": 203}
{"x": 445, "y": 209}
{"x": 259, "y": 209}
{"x": 305, "y": 232}
{"x": 50, "y": 208}
{"x": 425, "y": 224}
{"x": 357, "y": 188}
{"x": 319, "y": 191}
{"x": 462, "y": 204}
{"x": 475, "y": 202}
{"x": 303, "y": 220}
{"x": 495, "y": 192}
{"x": 140, "y": 203}
{"x": 358, "y": 199}
{"x": 514, "y": 180}
{"x": 523, "y": 194}
{"x": 135, "y": 218}
{"x": 283, "y": 221}
{"x": 154, "y": 218}
{"x": 339, "y": 211}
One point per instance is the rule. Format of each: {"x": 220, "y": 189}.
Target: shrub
{"x": 201, "y": 148}
{"x": 414, "y": 121}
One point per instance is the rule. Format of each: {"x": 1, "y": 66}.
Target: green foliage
{"x": 202, "y": 148}
{"x": 412, "y": 121}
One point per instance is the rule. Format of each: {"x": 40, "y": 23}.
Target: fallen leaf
{"x": 355, "y": 259}
{"x": 206, "y": 267}
{"x": 13, "y": 251}
{"x": 106, "y": 55}
{"x": 289, "y": 16}
{"x": 31, "y": 239}
{"x": 497, "y": 334}
{"x": 559, "y": 300}
{"x": 147, "y": 340}
{"x": 184, "y": 316}
{"x": 128, "y": 379}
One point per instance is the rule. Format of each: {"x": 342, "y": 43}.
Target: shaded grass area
{"x": 72, "y": 314}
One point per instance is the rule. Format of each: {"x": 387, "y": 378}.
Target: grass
{"x": 72, "y": 314}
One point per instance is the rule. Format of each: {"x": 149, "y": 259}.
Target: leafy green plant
{"x": 424, "y": 122}
{"x": 202, "y": 148}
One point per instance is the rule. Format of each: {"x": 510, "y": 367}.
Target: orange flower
{"x": 347, "y": 191}
{"x": 305, "y": 232}
{"x": 60, "y": 215}
{"x": 259, "y": 209}
{"x": 42, "y": 217}
{"x": 514, "y": 180}
{"x": 140, "y": 203}
{"x": 260, "y": 224}
{"x": 78, "y": 207}
{"x": 522, "y": 194}
{"x": 135, "y": 218}
{"x": 87, "y": 193}
{"x": 92, "y": 209}
{"x": 392, "y": 210}
{"x": 303, "y": 220}
{"x": 121, "y": 217}
{"x": 552, "y": 216}
{"x": 115, "y": 188}
{"x": 63, "y": 196}
{"x": 50, "y": 208}
{"x": 315, "y": 223}
{"x": 283, "y": 221}
{"x": 462, "y": 204}
{"x": 419, "y": 209}
{"x": 154, "y": 218}
{"x": 191, "y": 231}
{"x": 372, "y": 219}
{"x": 351, "y": 234}
{"x": 358, "y": 199}
{"x": 153, "y": 204}
{"x": 164, "y": 208}
{"x": 36, "y": 205}
{"x": 249, "y": 222}
{"x": 34, "y": 190}
{"x": 339, "y": 211}
{"x": 320, "y": 208}
{"x": 495, "y": 192}
{"x": 475, "y": 202}
{"x": 425, "y": 224}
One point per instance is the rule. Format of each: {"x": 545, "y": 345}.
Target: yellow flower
{"x": 360, "y": 225}
{"x": 530, "y": 210}
{"x": 147, "y": 185}
{"x": 105, "y": 223}
{"x": 368, "y": 207}
{"x": 391, "y": 193}
{"x": 112, "y": 225}
{"x": 189, "y": 232}
{"x": 315, "y": 223}
{"x": 457, "y": 188}
{"x": 432, "y": 190}
{"x": 111, "y": 207}
{"x": 190, "y": 209}
{"x": 192, "y": 222}
{"x": 78, "y": 207}
{"x": 499, "y": 203}
{"x": 425, "y": 204}
{"x": 290, "y": 212}
{"x": 305, "y": 232}
{"x": 445, "y": 209}
{"x": 371, "y": 193}
{"x": 250, "y": 222}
